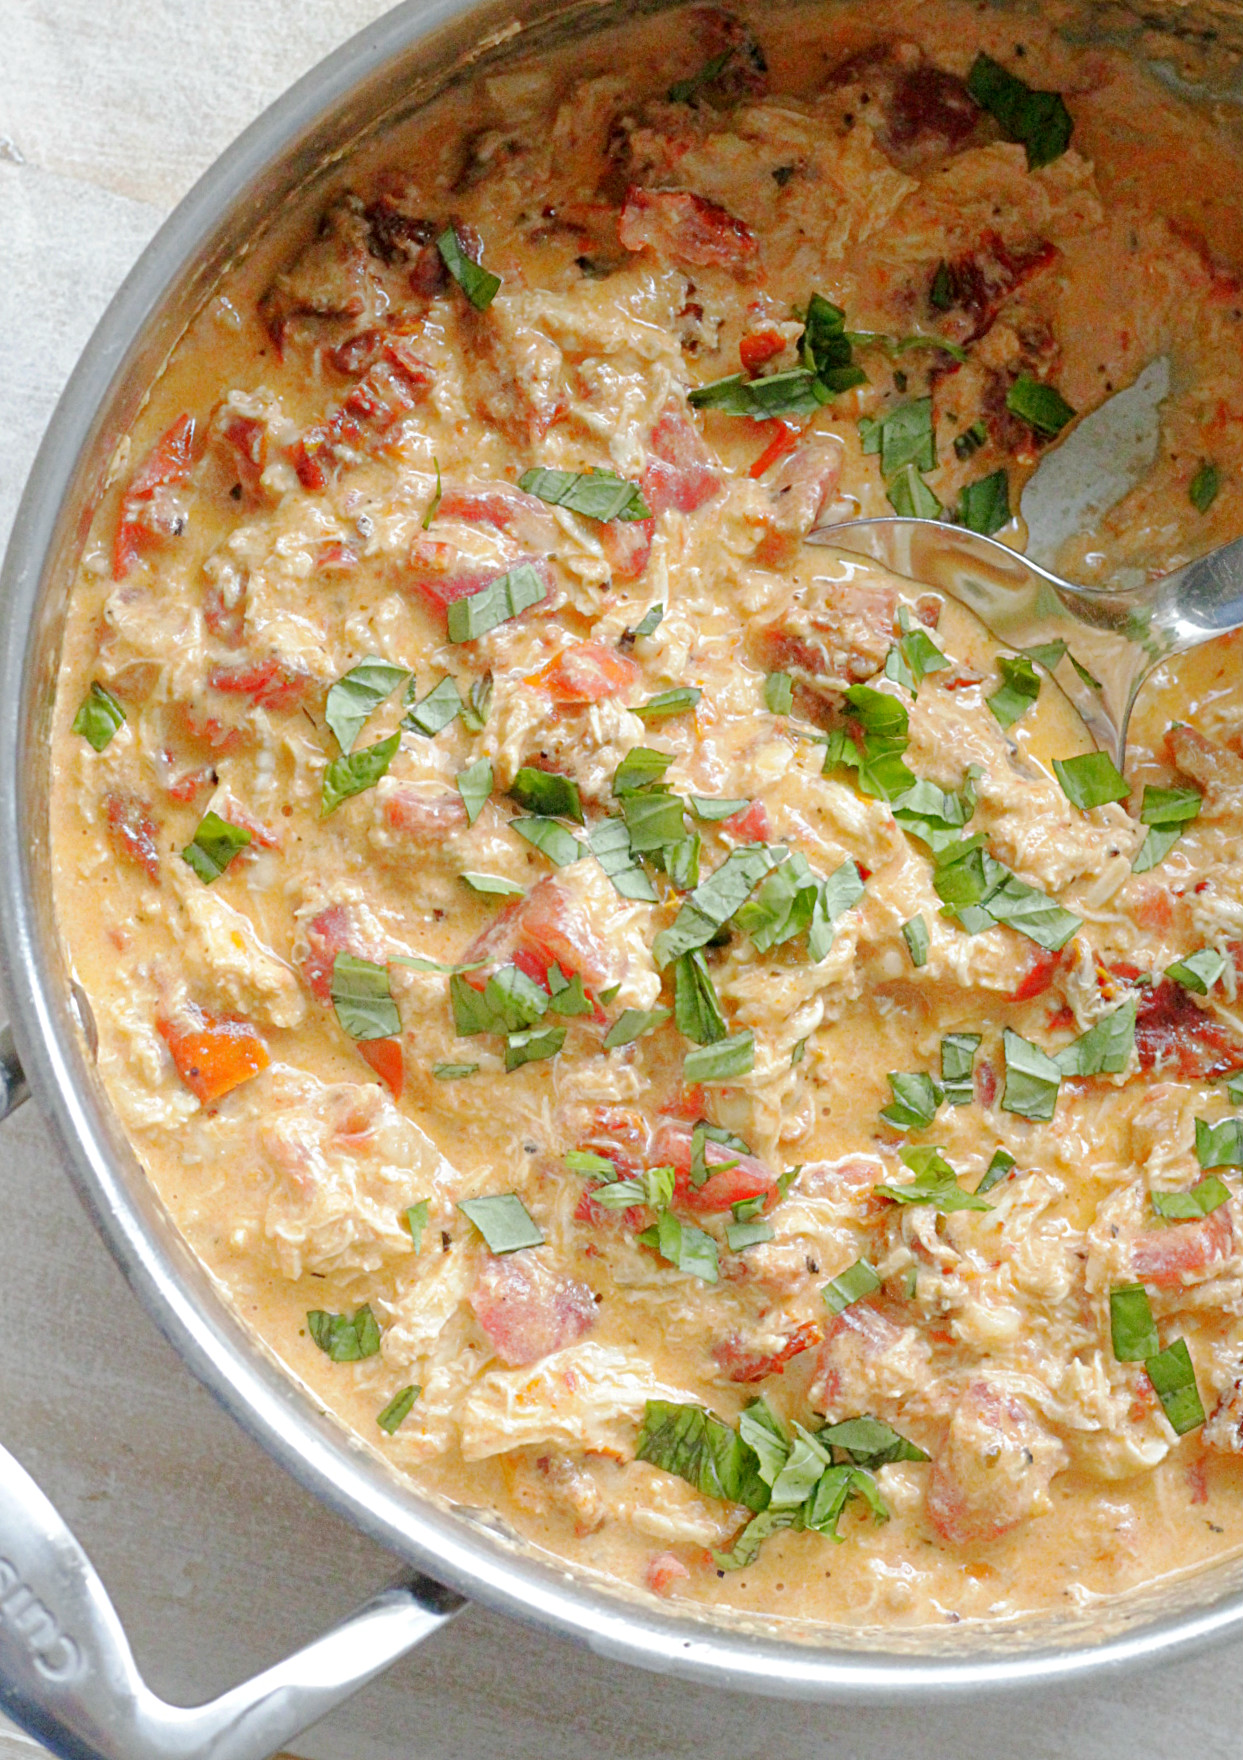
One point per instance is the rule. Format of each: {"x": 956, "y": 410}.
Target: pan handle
{"x": 14, "y": 1087}
{"x": 68, "y": 1676}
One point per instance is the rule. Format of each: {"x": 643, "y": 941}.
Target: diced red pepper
{"x": 214, "y": 1055}
{"x": 385, "y": 1058}
{"x": 167, "y": 463}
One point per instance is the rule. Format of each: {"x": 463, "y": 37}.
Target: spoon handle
{"x": 1202, "y": 600}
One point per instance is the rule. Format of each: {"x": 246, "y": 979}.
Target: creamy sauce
{"x": 337, "y": 383}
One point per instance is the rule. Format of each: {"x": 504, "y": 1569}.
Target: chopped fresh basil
{"x": 969, "y": 442}
{"x": 417, "y": 1218}
{"x": 957, "y": 1063}
{"x": 654, "y": 820}
{"x": 914, "y": 654}
{"x": 610, "y": 844}
{"x": 1133, "y": 1331}
{"x": 214, "y": 846}
{"x": 869, "y": 1442}
{"x": 454, "y": 1072}
{"x": 567, "y": 995}
{"x": 1234, "y": 1089}
{"x": 794, "y": 393}
{"x": 682, "y": 1244}
{"x": 896, "y": 345}
{"x": 588, "y": 1162}
{"x": 696, "y": 1011}
{"x": 907, "y": 437}
{"x": 677, "y": 701}
{"x": 494, "y": 883}
{"x": 997, "y": 1170}
{"x": 546, "y": 793}
{"x": 935, "y": 1184}
{"x": 1199, "y": 971}
{"x": 918, "y": 941}
{"x": 504, "y": 1222}
{"x": 551, "y": 838}
{"x": 354, "y": 697}
{"x": 433, "y": 506}
{"x": 779, "y": 693}
{"x": 509, "y": 1000}
{"x": 984, "y": 506}
{"x": 1036, "y": 120}
{"x": 934, "y": 815}
{"x": 682, "y": 91}
{"x": 941, "y": 292}
{"x": 700, "y": 1448}
{"x": 1219, "y": 1145}
{"x": 533, "y": 1045}
{"x": 639, "y": 769}
{"x": 1205, "y": 486}
{"x": 1105, "y": 1049}
{"x": 476, "y": 705}
{"x": 362, "y": 998}
{"x": 1090, "y": 780}
{"x": 609, "y": 995}
{"x": 99, "y": 716}
{"x": 505, "y": 597}
{"x": 631, "y": 1024}
{"x": 915, "y": 1100}
{"x": 1166, "y": 812}
{"x": 798, "y": 1053}
{"x": 650, "y": 621}
{"x": 722, "y": 1061}
{"x": 348, "y": 776}
{"x": 910, "y": 497}
{"x": 1204, "y": 1197}
{"x": 709, "y": 809}
{"x": 1032, "y": 1078}
{"x": 1174, "y": 1381}
{"x": 981, "y": 892}
{"x": 740, "y": 1235}
{"x": 878, "y": 712}
{"x": 598, "y": 494}
{"x": 398, "y": 1410}
{"x": 441, "y": 705}
{"x": 851, "y": 1285}
{"x": 343, "y": 1339}
{"x": 478, "y": 284}
{"x": 414, "y": 963}
{"x": 714, "y": 901}
{"x": 1019, "y": 690}
{"x": 1042, "y": 406}
{"x": 474, "y": 784}
{"x": 682, "y": 863}
{"x": 825, "y": 348}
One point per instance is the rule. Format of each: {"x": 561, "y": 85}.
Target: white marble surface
{"x": 219, "y": 1563}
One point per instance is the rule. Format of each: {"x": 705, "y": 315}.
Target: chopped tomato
{"x": 440, "y": 580}
{"x": 759, "y": 347}
{"x": 243, "y": 441}
{"x": 664, "y": 1572}
{"x": 270, "y": 683}
{"x": 1174, "y": 1036}
{"x": 191, "y": 783}
{"x": 740, "y": 1364}
{"x": 634, "y": 1217}
{"x": 527, "y": 1310}
{"x": 992, "y": 1468}
{"x": 132, "y": 831}
{"x": 680, "y": 475}
{"x": 335, "y": 930}
{"x": 167, "y": 463}
{"x": 858, "y": 1335}
{"x": 782, "y": 438}
{"x": 979, "y": 283}
{"x": 627, "y": 546}
{"x": 750, "y": 824}
{"x": 214, "y": 1055}
{"x": 741, "y": 1178}
{"x": 424, "y": 819}
{"x": 391, "y": 388}
{"x": 385, "y": 1058}
{"x": 1184, "y": 1252}
{"x": 548, "y": 926}
{"x": 585, "y": 673}
{"x": 685, "y": 227}
{"x": 1038, "y": 976}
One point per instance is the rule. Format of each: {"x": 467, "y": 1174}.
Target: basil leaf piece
{"x": 801, "y": 1473}
{"x": 935, "y": 1183}
{"x": 1199, "y": 971}
{"x": 969, "y": 442}
{"x": 714, "y": 901}
{"x": 214, "y": 846}
{"x": 494, "y": 883}
{"x": 907, "y": 437}
{"x": 971, "y": 878}
{"x": 1205, "y": 486}
{"x": 1219, "y": 1145}
{"x": 474, "y": 1013}
{"x": 610, "y": 845}
{"x": 417, "y": 1218}
{"x": 441, "y": 705}
{"x": 1018, "y": 692}
{"x": 597, "y": 494}
{"x": 414, "y": 963}
{"x": 997, "y": 1170}
{"x": 1204, "y": 1197}
{"x": 653, "y": 820}
{"x": 1133, "y": 1331}
{"x": 551, "y": 838}
{"x": 650, "y": 621}
{"x": 433, "y": 506}
{"x": 918, "y": 941}
{"x": 342, "y": 1339}
{"x": 1166, "y": 812}
{"x": 474, "y": 784}
{"x": 709, "y": 809}
{"x": 700, "y": 1448}
{"x": 566, "y": 994}
{"x": 764, "y": 1434}
{"x": 354, "y": 696}
{"x": 98, "y": 718}
{"x": 779, "y": 693}
{"x": 639, "y": 769}
{"x": 914, "y": 655}
{"x": 475, "y": 707}
{"x": 1234, "y": 1089}
{"x": 869, "y": 1442}
{"x": 741, "y": 1235}
{"x": 632, "y": 1023}
{"x": 984, "y": 505}
{"x": 682, "y": 91}
{"x": 746, "y": 1548}
{"x": 1032, "y": 1078}
{"x": 934, "y": 815}
{"x": 362, "y": 999}
{"x": 696, "y": 1011}
{"x": 957, "y": 1065}
{"x": 534, "y": 1045}
{"x": 825, "y": 347}
{"x": 1105, "y": 1049}
{"x": 849, "y": 1286}
{"x": 348, "y": 776}
{"x": 793, "y": 393}
{"x": 915, "y": 1100}
{"x": 398, "y": 1410}
{"x": 547, "y": 793}
{"x": 796, "y": 1056}
{"x": 683, "y": 1245}
{"x": 1090, "y": 780}
{"x": 454, "y": 1072}
{"x": 910, "y": 497}
{"x": 478, "y": 284}
{"x": 672, "y": 702}
{"x": 720, "y": 1062}
{"x": 1174, "y": 1381}
{"x": 505, "y": 597}
{"x": 1041, "y": 406}
{"x": 609, "y": 995}
{"x": 513, "y": 999}
{"x": 879, "y": 713}
{"x": 504, "y": 1222}
{"x": 1036, "y": 120}
{"x": 588, "y": 1162}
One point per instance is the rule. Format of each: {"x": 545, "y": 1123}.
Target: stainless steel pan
{"x": 65, "y": 1670}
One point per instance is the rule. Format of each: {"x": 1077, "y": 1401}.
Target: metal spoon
{"x": 1117, "y": 634}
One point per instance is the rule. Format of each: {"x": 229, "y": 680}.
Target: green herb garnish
{"x": 1032, "y": 1078}
{"x": 362, "y": 998}
{"x": 1090, "y": 780}
{"x": 98, "y": 718}
{"x": 597, "y": 494}
{"x": 398, "y": 1410}
{"x": 214, "y": 846}
{"x": 353, "y": 697}
{"x": 1038, "y": 121}
{"x": 1205, "y": 486}
{"x": 1041, "y": 406}
{"x": 354, "y": 774}
{"x": 478, "y": 284}
{"x": 504, "y": 1222}
{"x": 505, "y": 597}
{"x": 343, "y": 1339}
